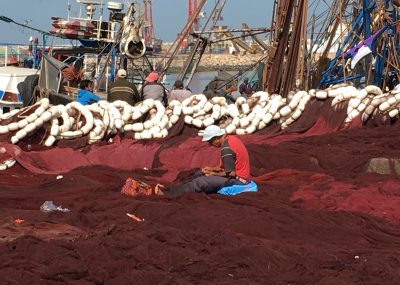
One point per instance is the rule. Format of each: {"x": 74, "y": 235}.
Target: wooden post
{"x": 6, "y": 56}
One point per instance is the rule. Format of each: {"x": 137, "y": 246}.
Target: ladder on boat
{"x": 193, "y": 61}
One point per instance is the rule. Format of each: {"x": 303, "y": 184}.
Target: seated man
{"x": 234, "y": 168}
{"x": 154, "y": 90}
{"x": 215, "y": 88}
{"x": 123, "y": 90}
{"x": 232, "y": 93}
{"x": 179, "y": 92}
{"x": 245, "y": 88}
{"x": 85, "y": 95}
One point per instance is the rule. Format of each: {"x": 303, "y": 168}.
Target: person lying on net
{"x": 234, "y": 168}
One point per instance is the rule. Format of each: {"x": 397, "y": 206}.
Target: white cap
{"x": 212, "y": 132}
{"x": 121, "y": 73}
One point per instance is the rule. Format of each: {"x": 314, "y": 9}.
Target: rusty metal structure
{"x": 356, "y": 41}
{"x": 173, "y": 50}
{"x": 207, "y": 37}
{"x": 192, "y": 7}
{"x": 365, "y": 34}
{"x": 192, "y": 62}
{"x": 288, "y": 40}
{"x": 148, "y": 25}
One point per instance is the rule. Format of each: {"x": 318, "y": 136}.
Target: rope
{"x": 70, "y": 73}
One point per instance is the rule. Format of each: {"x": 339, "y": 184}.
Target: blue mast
{"x": 362, "y": 29}
{"x": 367, "y": 17}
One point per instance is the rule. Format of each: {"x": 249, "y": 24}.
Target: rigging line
{"x": 319, "y": 22}
{"x": 240, "y": 74}
{"x": 11, "y": 21}
{"x": 323, "y": 31}
{"x": 332, "y": 18}
{"x": 325, "y": 20}
{"x": 312, "y": 4}
{"x": 215, "y": 14}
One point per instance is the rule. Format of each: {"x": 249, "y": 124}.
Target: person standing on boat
{"x": 154, "y": 90}
{"x": 123, "y": 90}
{"x": 179, "y": 92}
{"x": 85, "y": 95}
{"x": 245, "y": 88}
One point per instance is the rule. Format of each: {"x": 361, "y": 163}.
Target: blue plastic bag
{"x": 238, "y": 189}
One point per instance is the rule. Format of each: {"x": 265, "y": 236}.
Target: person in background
{"x": 73, "y": 74}
{"x": 179, "y": 92}
{"x": 232, "y": 93}
{"x": 215, "y": 88}
{"x": 85, "y": 95}
{"x": 234, "y": 168}
{"x": 153, "y": 90}
{"x": 245, "y": 88}
{"x": 123, "y": 90}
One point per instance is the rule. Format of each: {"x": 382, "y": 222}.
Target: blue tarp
{"x": 238, "y": 189}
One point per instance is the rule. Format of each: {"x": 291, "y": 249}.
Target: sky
{"x": 169, "y": 16}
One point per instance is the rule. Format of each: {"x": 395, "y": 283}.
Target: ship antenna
{"x": 69, "y": 8}
{"x": 101, "y": 8}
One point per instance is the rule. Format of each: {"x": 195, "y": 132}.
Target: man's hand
{"x": 220, "y": 174}
{"x": 210, "y": 169}
{"x": 206, "y": 169}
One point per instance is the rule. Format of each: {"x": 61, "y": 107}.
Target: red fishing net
{"x": 319, "y": 217}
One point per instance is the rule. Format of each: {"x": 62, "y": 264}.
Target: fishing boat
{"x": 10, "y": 78}
{"x": 101, "y": 44}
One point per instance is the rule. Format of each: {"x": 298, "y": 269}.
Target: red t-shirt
{"x": 234, "y": 157}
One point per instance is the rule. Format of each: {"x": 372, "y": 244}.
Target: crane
{"x": 192, "y": 7}
{"x": 148, "y": 21}
{"x": 149, "y": 35}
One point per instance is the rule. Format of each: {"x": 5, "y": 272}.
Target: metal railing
{"x": 12, "y": 54}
